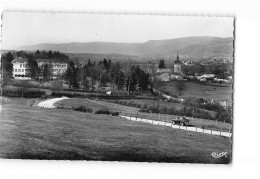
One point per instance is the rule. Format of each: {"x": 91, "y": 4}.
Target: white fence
{"x": 171, "y": 124}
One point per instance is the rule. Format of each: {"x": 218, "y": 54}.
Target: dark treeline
{"x": 94, "y": 76}
{"x": 41, "y": 55}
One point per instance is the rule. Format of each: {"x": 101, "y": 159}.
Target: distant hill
{"x": 195, "y": 47}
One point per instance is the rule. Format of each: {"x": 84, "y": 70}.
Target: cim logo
{"x": 219, "y": 155}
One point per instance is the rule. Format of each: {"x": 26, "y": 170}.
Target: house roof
{"x": 44, "y": 60}
{"x": 19, "y": 60}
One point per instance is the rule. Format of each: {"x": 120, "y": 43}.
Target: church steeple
{"x": 177, "y": 65}
{"x": 177, "y": 59}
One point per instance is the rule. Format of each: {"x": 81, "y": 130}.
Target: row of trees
{"x": 42, "y": 55}
{"x": 92, "y": 76}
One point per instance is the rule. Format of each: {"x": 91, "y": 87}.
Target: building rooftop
{"x": 19, "y": 60}
{"x": 22, "y": 60}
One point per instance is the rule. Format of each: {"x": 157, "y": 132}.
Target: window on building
{"x": 19, "y": 70}
{"x": 22, "y": 70}
{"x": 15, "y": 70}
{"x": 21, "y": 66}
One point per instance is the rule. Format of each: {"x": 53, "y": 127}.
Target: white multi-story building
{"x": 20, "y": 69}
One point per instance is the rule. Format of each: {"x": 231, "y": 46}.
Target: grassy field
{"x": 37, "y": 133}
{"x": 152, "y": 103}
{"x": 96, "y": 105}
{"x": 219, "y": 93}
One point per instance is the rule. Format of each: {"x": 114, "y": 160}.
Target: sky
{"x": 30, "y": 28}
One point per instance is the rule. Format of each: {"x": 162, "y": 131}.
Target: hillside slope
{"x": 189, "y": 46}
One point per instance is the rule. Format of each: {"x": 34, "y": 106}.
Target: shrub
{"x": 88, "y": 110}
{"x": 101, "y": 111}
{"x": 44, "y": 96}
{"x": 80, "y": 108}
{"x": 144, "y": 106}
{"x": 114, "y": 113}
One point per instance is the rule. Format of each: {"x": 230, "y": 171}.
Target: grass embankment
{"x": 37, "y": 133}
{"x": 96, "y": 105}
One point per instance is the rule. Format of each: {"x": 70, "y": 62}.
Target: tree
{"x": 180, "y": 86}
{"x": 7, "y": 69}
{"x": 50, "y": 54}
{"x": 7, "y": 66}
{"x": 34, "y": 70}
{"x": 114, "y": 74}
{"x": 158, "y": 87}
{"x": 46, "y": 73}
{"x": 120, "y": 81}
{"x": 161, "y": 64}
{"x": 71, "y": 75}
{"x": 143, "y": 80}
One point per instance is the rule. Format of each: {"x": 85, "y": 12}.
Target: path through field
{"x": 50, "y": 103}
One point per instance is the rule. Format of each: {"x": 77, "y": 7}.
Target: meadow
{"x": 37, "y": 133}
{"x": 197, "y": 90}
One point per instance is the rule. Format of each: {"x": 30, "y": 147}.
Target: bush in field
{"x": 88, "y": 110}
{"x": 144, "y": 106}
{"x": 224, "y": 116}
{"x": 44, "y": 96}
{"x": 103, "y": 111}
{"x": 80, "y": 108}
{"x": 114, "y": 113}
{"x": 123, "y": 103}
